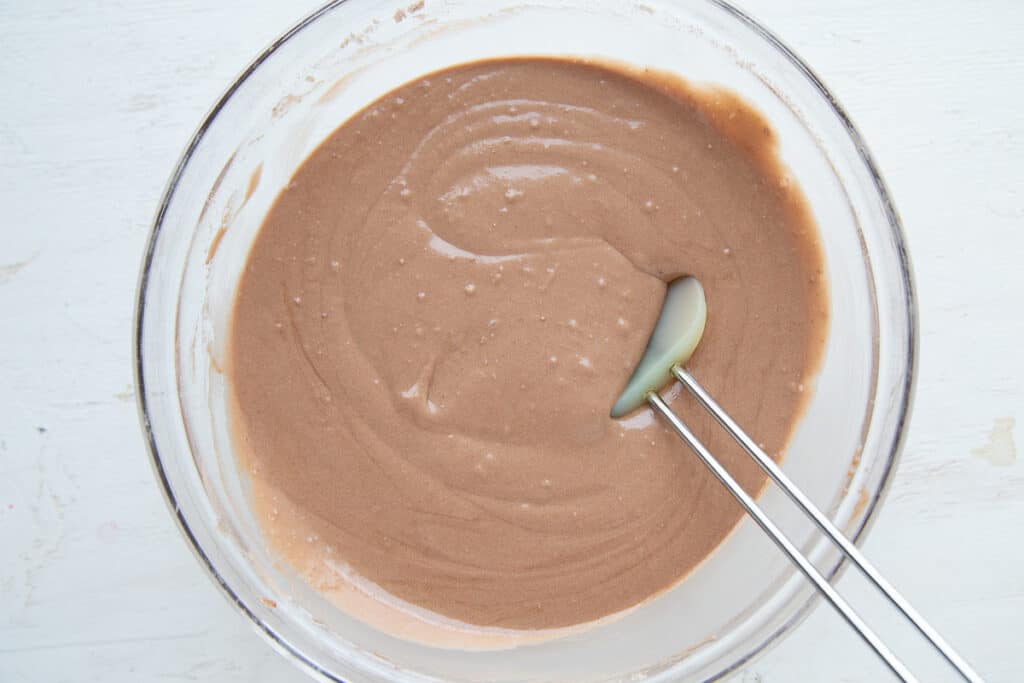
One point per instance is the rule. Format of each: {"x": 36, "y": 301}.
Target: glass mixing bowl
{"x": 742, "y": 598}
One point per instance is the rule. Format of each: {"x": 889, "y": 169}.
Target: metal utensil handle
{"x": 784, "y": 544}
{"x": 825, "y": 524}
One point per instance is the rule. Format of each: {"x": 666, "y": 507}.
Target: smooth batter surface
{"x": 442, "y": 306}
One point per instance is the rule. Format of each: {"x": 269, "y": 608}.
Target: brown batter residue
{"x": 443, "y": 305}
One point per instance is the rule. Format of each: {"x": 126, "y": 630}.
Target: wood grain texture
{"x": 95, "y": 583}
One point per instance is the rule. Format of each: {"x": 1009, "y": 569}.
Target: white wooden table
{"x": 98, "y": 99}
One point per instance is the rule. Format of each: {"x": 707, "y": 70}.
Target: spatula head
{"x": 676, "y": 335}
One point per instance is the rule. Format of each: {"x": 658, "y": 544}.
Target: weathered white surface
{"x": 99, "y": 98}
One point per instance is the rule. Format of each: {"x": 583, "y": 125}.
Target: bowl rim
{"x": 906, "y": 387}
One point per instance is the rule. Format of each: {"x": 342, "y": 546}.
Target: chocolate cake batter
{"x": 442, "y": 306}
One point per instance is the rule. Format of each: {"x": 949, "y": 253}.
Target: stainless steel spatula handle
{"x": 820, "y": 520}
